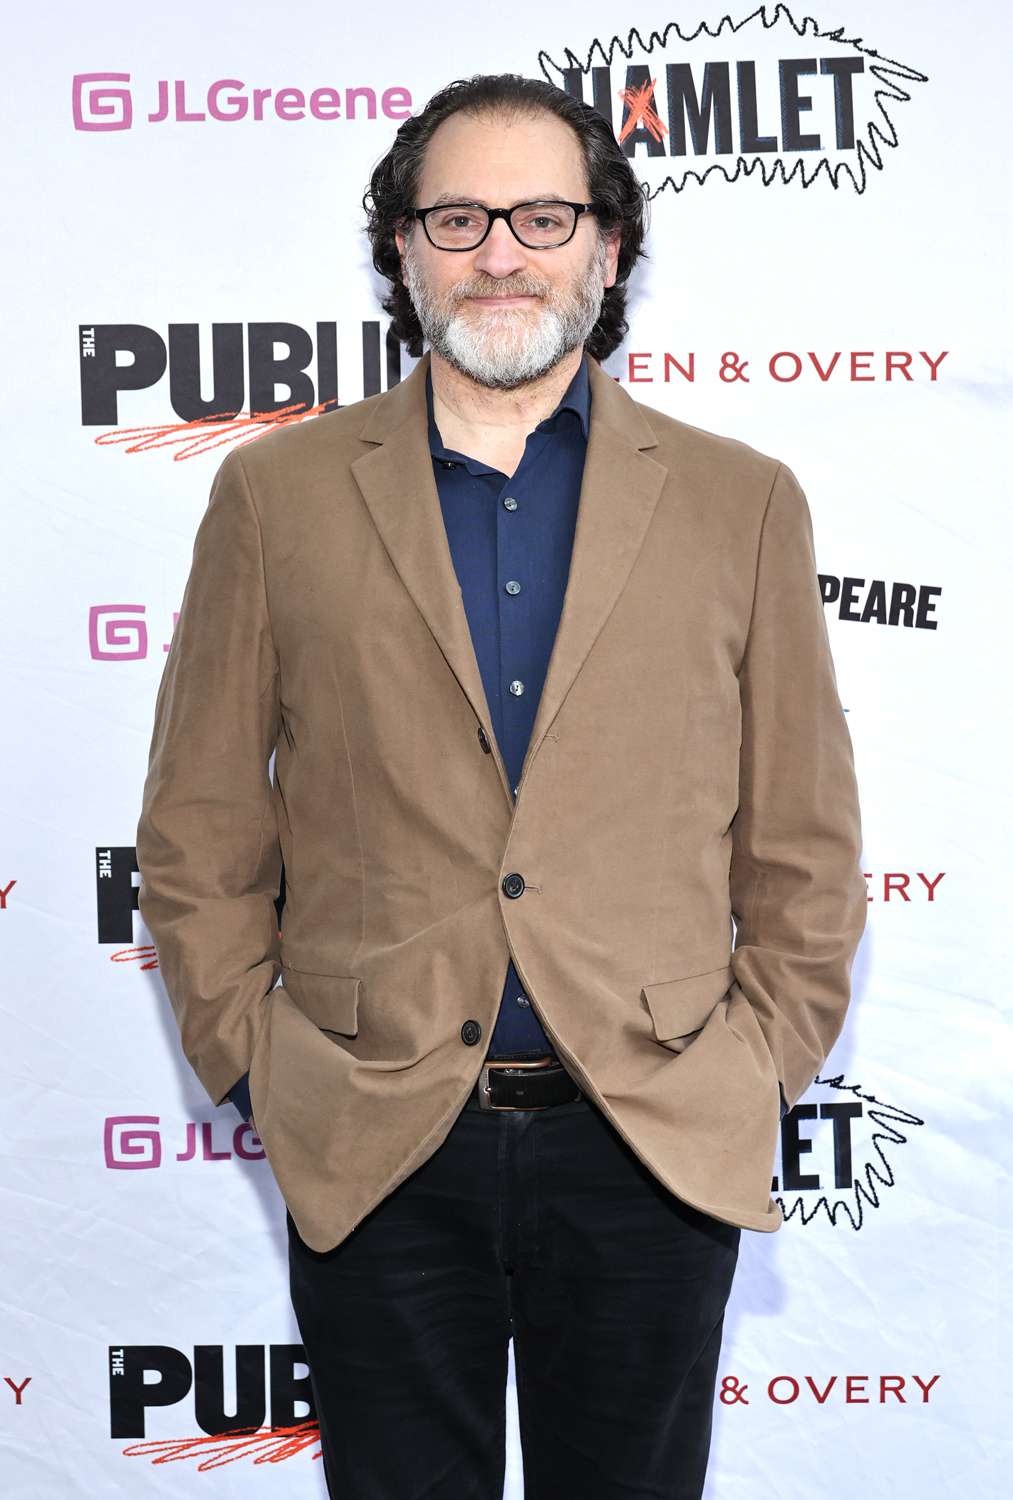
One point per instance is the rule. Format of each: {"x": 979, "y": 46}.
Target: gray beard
{"x": 510, "y": 346}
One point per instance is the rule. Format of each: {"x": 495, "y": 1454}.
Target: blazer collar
{"x": 619, "y": 490}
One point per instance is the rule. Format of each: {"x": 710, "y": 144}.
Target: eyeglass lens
{"x": 459, "y": 226}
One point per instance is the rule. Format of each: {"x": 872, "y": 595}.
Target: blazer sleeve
{"x": 798, "y": 894}
{"x": 207, "y": 838}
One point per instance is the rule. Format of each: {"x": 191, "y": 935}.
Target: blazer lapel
{"x": 619, "y": 491}
{"x": 397, "y": 483}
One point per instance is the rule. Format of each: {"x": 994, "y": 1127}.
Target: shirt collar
{"x": 576, "y": 398}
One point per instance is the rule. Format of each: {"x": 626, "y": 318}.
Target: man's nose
{"x": 500, "y": 254}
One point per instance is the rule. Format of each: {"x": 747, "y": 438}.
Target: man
{"x": 548, "y": 684}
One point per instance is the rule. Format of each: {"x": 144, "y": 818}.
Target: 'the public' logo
{"x": 264, "y": 1382}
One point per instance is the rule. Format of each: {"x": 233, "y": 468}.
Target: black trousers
{"x": 543, "y": 1226}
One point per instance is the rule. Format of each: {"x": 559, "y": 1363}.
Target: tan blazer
{"x": 690, "y": 764}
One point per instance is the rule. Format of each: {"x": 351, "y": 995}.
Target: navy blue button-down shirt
{"x": 511, "y": 542}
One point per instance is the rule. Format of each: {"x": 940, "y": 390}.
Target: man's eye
{"x": 542, "y": 221}
{"x": 456, "y": 221}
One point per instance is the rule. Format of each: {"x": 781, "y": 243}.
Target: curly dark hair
{"x": 612, "y": 184}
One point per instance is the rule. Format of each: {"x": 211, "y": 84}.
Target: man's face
{"x": 503, "y": 314}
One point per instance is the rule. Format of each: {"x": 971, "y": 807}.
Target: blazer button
{"x": 483, "y": 740}
{"x": 513, "y": 884}
{"x": 471, "y": 1032}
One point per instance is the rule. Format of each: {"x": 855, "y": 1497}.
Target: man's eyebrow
{"x": 550, "y": 197}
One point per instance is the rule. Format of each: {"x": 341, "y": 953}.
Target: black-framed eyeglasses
{"x": 542, "y": 225}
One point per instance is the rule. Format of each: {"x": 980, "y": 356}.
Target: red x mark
{"x": 640, "y": 105}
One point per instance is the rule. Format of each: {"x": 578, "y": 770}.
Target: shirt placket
{"x": 517, "y": 601}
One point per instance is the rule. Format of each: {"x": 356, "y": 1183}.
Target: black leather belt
{"x": 529, "y": 1083}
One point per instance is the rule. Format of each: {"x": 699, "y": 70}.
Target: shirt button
{"x": 517, "y": 687}
{"x": 523, "y": 1000}
{"x": 510, "y": 503}
{"x": 512, "y": 586}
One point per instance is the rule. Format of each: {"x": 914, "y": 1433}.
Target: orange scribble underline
{"x": 224, "y": 427}
{"x": 134, "y": 955}
{"x": 217, "y": 1449}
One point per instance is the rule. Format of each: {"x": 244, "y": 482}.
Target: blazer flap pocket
{"x": 330, "y": 1001}
{"x": 679, "y": 1006}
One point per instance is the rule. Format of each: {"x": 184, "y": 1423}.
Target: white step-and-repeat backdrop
{"x": 828, "y": 281}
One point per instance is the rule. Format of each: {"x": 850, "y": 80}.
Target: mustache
{"x": 487, "y": 288}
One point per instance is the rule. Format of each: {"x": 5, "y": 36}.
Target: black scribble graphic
{"x": 640, "y": 108}
{"x": 868, "y": 1179}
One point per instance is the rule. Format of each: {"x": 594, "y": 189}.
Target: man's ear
{"x": 401, "y": 241}
{"x": 613, "y": 240}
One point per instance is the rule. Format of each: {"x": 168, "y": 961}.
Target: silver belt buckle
{"x": 484, "y": 1091}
